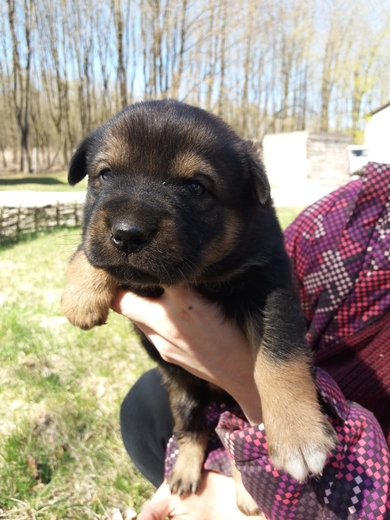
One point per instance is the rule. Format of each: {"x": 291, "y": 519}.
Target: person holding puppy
{"x": 340, "y": 253}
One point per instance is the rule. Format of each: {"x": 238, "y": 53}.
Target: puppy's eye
{"x": 196, "y": 188}
{"x": 105, "y": 174}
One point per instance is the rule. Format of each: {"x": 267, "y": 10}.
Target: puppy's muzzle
{"x": 130, "y": 238}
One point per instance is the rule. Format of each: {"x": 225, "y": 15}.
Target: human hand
{"x": 192, "y": 333}
{"x": 215, "y": 500}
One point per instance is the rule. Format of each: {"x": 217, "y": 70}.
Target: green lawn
{"x": 287, "y": 215}
{"x": 61, "y": 455}
{"x": 38, "y": 182}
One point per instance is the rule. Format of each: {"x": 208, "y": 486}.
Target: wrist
{"x": 249, "y": 401}
{"x": 236, "y": 377}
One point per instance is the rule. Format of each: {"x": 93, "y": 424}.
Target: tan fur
{"x": 88, "y": 294}
{"x": 186, "y": 474}
{"x": 187, "y": 164}
{"x": 225, "y": 244}
{"x": 295, "y": 425}
{"x": 245, "y": 502}
{"x": 112, "y": 155}
{"x": 97, "y": 231}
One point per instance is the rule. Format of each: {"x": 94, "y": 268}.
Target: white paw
{"x": 302, "y": 463}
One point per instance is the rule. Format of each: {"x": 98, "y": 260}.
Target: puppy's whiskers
{"x": 168, "y": 274}
{"x": 193, "y": 268}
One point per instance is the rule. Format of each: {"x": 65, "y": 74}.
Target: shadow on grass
{"x": 31, "y": 180}
{"x": 10, "y": 242}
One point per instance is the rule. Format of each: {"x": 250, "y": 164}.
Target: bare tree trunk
{"x": 212, "y": 56}
{"x": 179, "y": 56}
{"x": 121, "y": 68}
{"x": 326, "y": 87}
{"x": 222, "y": 70}
{"x": 21, "y": 80}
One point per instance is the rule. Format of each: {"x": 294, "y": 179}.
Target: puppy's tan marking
{"x": 98, "y": 233}
{"x": 187, "y": 164}
{"x": 185, "y": 477}
{"x": 88, "y": 294}
{"x": 115, "y": 152}
{"x": 245, "y": 502}
{"x": 224, "y": 244}
{"x": 299, "y": 436}
{"x": 186, "y": 474}
{"x": 122, "y": 155}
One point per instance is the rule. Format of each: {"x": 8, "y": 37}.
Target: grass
{"x": 287, "y": 215}
{"x": 61, "y": 454}
{"x": 38, "y": 182}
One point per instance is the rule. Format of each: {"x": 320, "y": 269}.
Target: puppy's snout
{"x": 129, "y": 238}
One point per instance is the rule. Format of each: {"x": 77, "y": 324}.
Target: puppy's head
{"x": 173, "y": 194}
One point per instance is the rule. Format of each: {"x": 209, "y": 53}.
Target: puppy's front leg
{"x": 88, "y": 294}
{"x": 299, "y": 436}
{"x": 188, "y": 397}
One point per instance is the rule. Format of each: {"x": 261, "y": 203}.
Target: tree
{"x": 21, "y": 74}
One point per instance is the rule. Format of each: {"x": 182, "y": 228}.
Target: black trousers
{"x": 146, "y": 425}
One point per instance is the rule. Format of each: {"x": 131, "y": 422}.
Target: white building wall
{"x": 377, "y": 136}
{"x": 285, "y": 159}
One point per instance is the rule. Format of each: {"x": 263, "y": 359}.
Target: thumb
{"x": 159, "y": 506}
{"x": 131, "y": 305}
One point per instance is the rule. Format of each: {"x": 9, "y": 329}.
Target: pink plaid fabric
{"x": 340, "y": 252}
{"x": 340, "y": 249}
{"x": 356, "y": 479}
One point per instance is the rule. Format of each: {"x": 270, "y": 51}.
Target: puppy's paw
{"x": 184, "y": 480}
{"x": 299, "y": 435}
{"x": 248, "y": 506}
{"x": 245, "y": 502}
{"x": 84, "y": 309}
{"x": 186, "y": 474}
{"x": 302, "y": 447}
{"x": 88, "y": 294}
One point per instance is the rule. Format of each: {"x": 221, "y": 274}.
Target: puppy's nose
{"x": 130, "y": 238}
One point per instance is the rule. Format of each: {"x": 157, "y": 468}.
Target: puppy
{"x": 174, "y": 198}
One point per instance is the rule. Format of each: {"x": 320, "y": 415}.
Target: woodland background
{"x": 263, "y": 65}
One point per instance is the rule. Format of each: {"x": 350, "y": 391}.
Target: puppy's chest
{"x": 240, "y": 300}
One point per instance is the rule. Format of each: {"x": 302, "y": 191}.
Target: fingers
{"x": 174, "y": 302}
{"x": 159, "y": 506}
{"x": 152, "y": 316}
{"x": 133, "y": 306}
{"x": 215, "y": 500}
{"x": 179, "y": 305}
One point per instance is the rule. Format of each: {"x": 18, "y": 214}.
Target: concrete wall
{"x": 303, "y": 167}
{"x": 328, "y": 159}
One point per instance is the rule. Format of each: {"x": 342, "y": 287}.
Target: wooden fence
{"x": 15, "y": 221}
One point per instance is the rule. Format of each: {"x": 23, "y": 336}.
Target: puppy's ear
{"x": 78, "y": 164}
{"x": 258, "y": 174}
